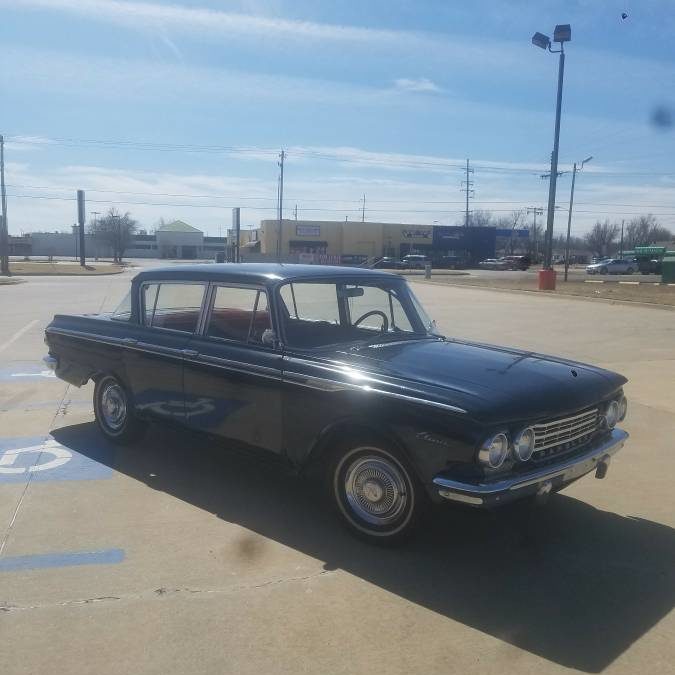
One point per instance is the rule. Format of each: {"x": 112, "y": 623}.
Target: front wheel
{"x": 376, "y": 492}
{"x": 629, "y": 270}
{"x": 113, "y": 412}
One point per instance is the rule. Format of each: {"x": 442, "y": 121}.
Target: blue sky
{"x": 179, "y": 110}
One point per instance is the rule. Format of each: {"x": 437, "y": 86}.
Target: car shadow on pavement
{"x": 570, "y": 583}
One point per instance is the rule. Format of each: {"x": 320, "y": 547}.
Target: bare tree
{"x": 601, "y": 237}
{"x": 645, "y": 230}
{"x": 481, "y": 218}
{"x": 115, "y": 230}
{"x": 511, "y": 222}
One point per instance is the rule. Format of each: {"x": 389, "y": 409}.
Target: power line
{"x": 468, "y": 191}
{"x": 357, "y": 209}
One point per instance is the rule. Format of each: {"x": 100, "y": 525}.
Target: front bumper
{"x": 540, "y": 481}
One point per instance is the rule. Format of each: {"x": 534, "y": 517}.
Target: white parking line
{"x": 17, "y": 335}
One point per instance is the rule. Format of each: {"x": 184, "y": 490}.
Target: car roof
{"x": 258, "y": 272}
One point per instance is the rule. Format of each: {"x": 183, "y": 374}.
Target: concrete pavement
{"x": 192, "y": 560}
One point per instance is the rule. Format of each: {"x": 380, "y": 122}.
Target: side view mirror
{"x": 269, "y": 338}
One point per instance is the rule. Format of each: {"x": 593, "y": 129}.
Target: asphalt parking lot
{"x": 176, "y": 557}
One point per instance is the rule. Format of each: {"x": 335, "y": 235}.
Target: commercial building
{"x": 172, "y": 240}
{"x": 338, "y": 241}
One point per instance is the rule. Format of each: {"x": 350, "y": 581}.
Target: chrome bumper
{"x": 544, "y": 480}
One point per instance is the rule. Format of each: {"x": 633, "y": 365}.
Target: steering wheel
{"x": 374, "y": 312}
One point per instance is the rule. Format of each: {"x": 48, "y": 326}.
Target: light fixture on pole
{"x": 561, "y": 34}
{"x": 569, "y": 214}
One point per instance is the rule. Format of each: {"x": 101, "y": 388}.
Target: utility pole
{"x": 621, "y": 245}
{"x": 282, "y": 157}
{"x": 4, "y": 229}
{"x": 535, "y": 211}
{"x": 569, "y": 215}
{"x": 469, "y": 192}
{"x": 80, "y": 220}
{"x": 363, "y": 210}
{"x": 95, "y": 214}
{"x": 569, "y": 222}
{"x": 236, "y": 226}
{"x": 295, "y": 212}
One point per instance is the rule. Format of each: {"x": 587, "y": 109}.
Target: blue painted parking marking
{"x": 43, "y": 458}
{"x": 39, "y": 561}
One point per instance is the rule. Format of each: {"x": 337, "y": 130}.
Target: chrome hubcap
{"x": 375, "y": 490}
{"x": 113, "y": 406}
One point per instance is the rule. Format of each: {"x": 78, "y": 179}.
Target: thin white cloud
{"x": 121, "y": 79}
{"x": 135, "y": 14}
{"x": 421, "y": 84}
{"x": 26, "y": 143}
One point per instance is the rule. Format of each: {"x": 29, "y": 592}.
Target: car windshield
{"x": 328, "y": 312}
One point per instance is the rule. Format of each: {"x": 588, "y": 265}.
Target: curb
{"x": 556, "y": 294}
{"x": 64, "y": 274}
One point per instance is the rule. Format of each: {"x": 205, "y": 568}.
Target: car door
{"x": 232, "y": 379}
{"x": 169, "y": 314}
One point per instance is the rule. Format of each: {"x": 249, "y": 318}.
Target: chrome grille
{"x": 565, "y": 430}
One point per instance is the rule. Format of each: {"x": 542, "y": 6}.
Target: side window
{"x": 311, "y": 301}
{"x": 173, "y": 306}
{"x": 381, "y": 300}
{"x": 239, "y": 314}
{"x": 123, "y": 310}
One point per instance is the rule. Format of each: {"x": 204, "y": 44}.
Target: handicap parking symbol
{"x": 44, "y": 459}
{"x": 51, "y": 454}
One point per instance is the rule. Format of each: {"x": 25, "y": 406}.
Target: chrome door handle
{"x": 189, "y": 352}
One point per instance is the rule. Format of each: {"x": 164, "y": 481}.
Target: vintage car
{"x": 339, "y": 373}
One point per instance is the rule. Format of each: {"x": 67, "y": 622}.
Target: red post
{"x": 547, "y": 280}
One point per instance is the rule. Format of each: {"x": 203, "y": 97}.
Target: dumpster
{"x": 668, "y": 270}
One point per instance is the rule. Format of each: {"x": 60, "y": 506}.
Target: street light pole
{"x": 569, "y": 214}
{"x": 561, "y": 34}
{"x": 553, "y": 180}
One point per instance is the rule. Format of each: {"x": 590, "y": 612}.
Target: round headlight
{"x": 523, "y": 444}
{"x": 623, "y": 408}
{"x": 612, "y": 414}
{"x": 494, "y": 451}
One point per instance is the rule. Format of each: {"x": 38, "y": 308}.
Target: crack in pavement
{"x": 162, "y": 591}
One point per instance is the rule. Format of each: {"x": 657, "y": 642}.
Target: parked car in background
{"x": 650, "y": 265}
{"x": 517, "y": 262}
{"x": 494, "y": 264}
{"x": 450, "y": 262}
{"x": 415, "y": 261}
{"x": 339, "y": 374}
{"x": 388, "y": 263}
{"x": 612, "y": 266}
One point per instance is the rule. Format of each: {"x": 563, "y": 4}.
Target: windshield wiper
{"x": 388, "y": 338}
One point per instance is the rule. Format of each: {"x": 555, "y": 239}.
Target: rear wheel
{"x": 375, "y": 491}
{"x": 629, "y": 270}
{"x": 113, "y": 412}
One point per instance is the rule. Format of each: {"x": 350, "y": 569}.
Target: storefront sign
{"x": 418, "y": 233}
{"x": 308, "y": 230}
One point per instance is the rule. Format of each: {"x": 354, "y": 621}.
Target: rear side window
{"x": 123, "y": 310}
{"x": 173, "y": 306}
{"x": 240, "y": 314}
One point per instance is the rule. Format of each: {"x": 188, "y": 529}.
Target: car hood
{"x": 493, "y": 384}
